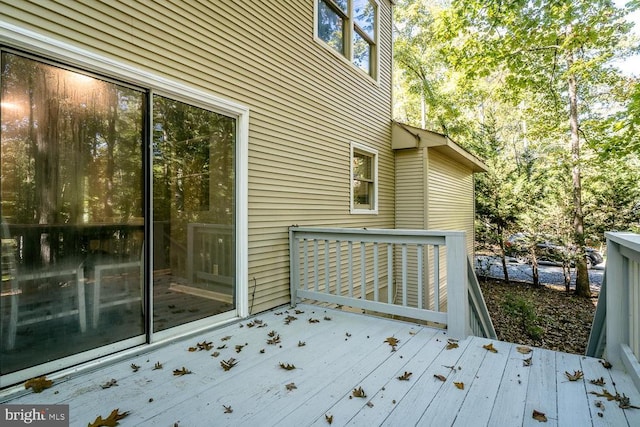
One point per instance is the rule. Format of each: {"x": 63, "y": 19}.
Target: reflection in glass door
{"x": 72, "y": 213}
{"x": 74, "y": 275}
{"x": 193, "y": 213}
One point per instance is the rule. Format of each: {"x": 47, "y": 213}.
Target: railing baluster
{"x": 338, "y": 267}
{"x": 634, "y": 306}
{"x": 305, "y": 252}
{"x": 436, "y": 277}
{"x": 326, "y": 266}
{"x": 390, "y": 273}
{"x": 315, "y": 265}
{"x": 363, "y": 271}
{"x": 376, "y": 297}
{"x": 350, "y": 266}
{"x": 427, "y": 277}
{"x": 404, "y": 274}
{"x": 419, "y": 259}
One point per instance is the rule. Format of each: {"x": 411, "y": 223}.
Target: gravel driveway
{"x": 491, "y": 266}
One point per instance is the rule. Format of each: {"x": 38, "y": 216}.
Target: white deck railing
{"x": 416, "y": 274}
{"x": 618, "y": 313}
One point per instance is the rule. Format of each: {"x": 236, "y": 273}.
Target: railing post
{"x": 457, "y": 287}
{"x": 294, "y": 265}
{"x": 617, "y": 329}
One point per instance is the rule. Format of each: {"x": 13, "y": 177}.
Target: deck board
{"x": 508, "y": 407}
{"x": 541, "y": 389}
{"x": 573, "y": 406}
{"x": 343, "y": 351}
{"x": 483, "y": 391}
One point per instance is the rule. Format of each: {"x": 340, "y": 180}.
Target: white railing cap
{"x": 628, "y": 239}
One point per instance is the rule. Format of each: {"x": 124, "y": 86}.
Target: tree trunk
{"x": 503, "y": 254}
{"x": 582, "y": 275}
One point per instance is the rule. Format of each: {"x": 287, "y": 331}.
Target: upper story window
{"x": 364, "y": 179}
{"x": 350, "y": 28}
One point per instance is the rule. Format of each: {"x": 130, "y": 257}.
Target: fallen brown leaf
{"x": 489, "y": 347}
{"x": 441, "y": 377}
{"x": 606, "y": 364}
{"x": 623, "y": 401}
{"x": 523, "y": 350}
{"x": 451, "y": 345}
{"x": 575, "y": 376}
{"x": 287, "y": 366}
{"x": 527, "y": 362}
{"x": 539, "y": 416}
{"x": 135, "y": 367}
{"x": 228, "y": 364}
{"x": 38, "y": 384}
{"x": 109, "y": 384}
{"x": 328, "y": 418}
{"x": 227, "y": 409}
{"x": 405, "y": 376}
{"x": 180, "y": 372}
{"x": 459, "y": 385}
{"x": 158, "y": 365}
{"x": 605, "y": 394}
{"x": 273, "y": 341}
{"x": 599, "y": 381}
{"x": 110, "y": 421}
{"x": 393, "y": 342}
{"x": 204, "y": 345}
{"x": 358, "y": 392}
{"x": 290, "y": 386}
{"x": 289, "y": 319}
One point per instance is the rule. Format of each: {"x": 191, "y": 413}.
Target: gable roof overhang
{"x": 404, "y": 136}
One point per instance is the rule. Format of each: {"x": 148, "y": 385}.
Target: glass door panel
{"x": 193, "y": 213}
{"x": 72, "y": 213}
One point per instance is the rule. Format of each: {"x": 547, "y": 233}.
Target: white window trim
{"x": 355, "y": 146}
{"x": 375, "y": 78}
{"x": 47, "y": 47}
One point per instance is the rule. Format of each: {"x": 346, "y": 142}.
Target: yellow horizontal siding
{"x": 410, "y": 189}
{"x": 451, "y": 196}
{"x": 306, "y": 105}
{"x": 436, "y": 195}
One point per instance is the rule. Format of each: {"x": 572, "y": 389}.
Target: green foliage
{"x": 494, "y": 77}
{"x": 524, "y": 310}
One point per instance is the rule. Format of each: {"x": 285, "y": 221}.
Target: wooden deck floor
{"x": 335, "y": 352}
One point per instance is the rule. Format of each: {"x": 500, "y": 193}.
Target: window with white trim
{"x": 364, "y": 179}
{"x": 350, "y": 28}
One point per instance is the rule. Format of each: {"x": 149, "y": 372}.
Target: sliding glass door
{"x": 72, "y": 212}
{"x": 118, "y": 214}
{"x": 193, "y": 213}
